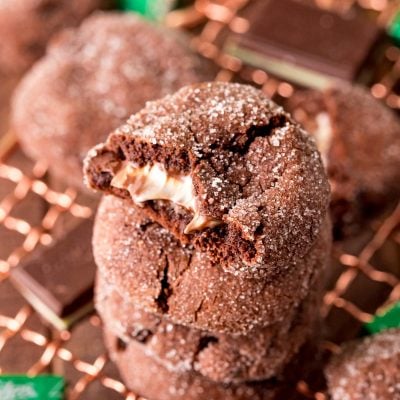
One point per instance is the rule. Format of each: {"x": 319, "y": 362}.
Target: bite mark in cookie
{"x": 260, "y": 193}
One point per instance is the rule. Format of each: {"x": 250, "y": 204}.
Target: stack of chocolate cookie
{"x": 211, "y": 244}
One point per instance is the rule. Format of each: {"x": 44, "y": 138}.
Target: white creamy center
{"x": 152, "y": 182}
{"x": 323, "y": 135}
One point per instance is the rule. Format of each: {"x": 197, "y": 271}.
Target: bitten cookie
{"x": 144, "y": 375}
{"x": 92, "y": 78}
{"x": 359, "y": 139}
{"x": 27, "y": 25}
{"x": 153, "y": 270}
{"x": 261, "y": 354}
{"x": 368, "y": 369}
{"x": 223, "y": 168}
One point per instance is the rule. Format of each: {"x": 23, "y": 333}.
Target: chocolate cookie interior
{"x": 221, "y": 167}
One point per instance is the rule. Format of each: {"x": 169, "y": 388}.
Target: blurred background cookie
{"x": 91, "y": 79}
{"x": 368, "y": 369}
{"x": 27, "y": 25}
{"x": 359, "y": 139}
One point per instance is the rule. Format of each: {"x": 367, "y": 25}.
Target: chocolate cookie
{"x": 144, "y": 375}
{"x": 223, "y": 168}
{"x": 259, "y": 355}
{"x": 91, "y": 80}
{"x": 156, "y": 272}
{"x": 26, "y": 26}
{"x": 367, "y": 370}
{"x": 359, "y": 139}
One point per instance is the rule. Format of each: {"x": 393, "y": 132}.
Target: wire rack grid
{"x": 26, "y": 185}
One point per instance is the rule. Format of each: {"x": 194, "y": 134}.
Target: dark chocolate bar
{"x": 58, "y": 280}
{"x": 304, "y": 44}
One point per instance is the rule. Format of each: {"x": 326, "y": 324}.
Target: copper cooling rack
{"x": 31, "y": 208}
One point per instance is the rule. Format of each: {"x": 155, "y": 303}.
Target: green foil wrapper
{"x": 22, "y": 387}
{"x": 386, "y": 319}
{"x": 154, "y": 10}
{"x": 394, "y": 28}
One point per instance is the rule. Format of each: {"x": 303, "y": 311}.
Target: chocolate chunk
{"x": 58, "y": 280}
{"x": 304, "y": 44}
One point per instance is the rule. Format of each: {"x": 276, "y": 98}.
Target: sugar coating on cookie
{"x": 91, "y": 79}
{"x": 368, "y": 369}
{"x": 27, "y": 25}
{"x": 359, "y": 139}
{"x": 260, "y": 354}
{"x": 153, "y": 270}
{"x": 145, "y": 375}
{"x": 221, "y": 167}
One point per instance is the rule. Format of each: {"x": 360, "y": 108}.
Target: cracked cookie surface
{"x": 259, "y": 191}
{"x": 152, "y": 269}
{"x": 260, "y": 354}
{"x": 144, "y": 375}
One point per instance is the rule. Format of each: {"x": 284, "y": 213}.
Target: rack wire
{"x": 373, "y": 262}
